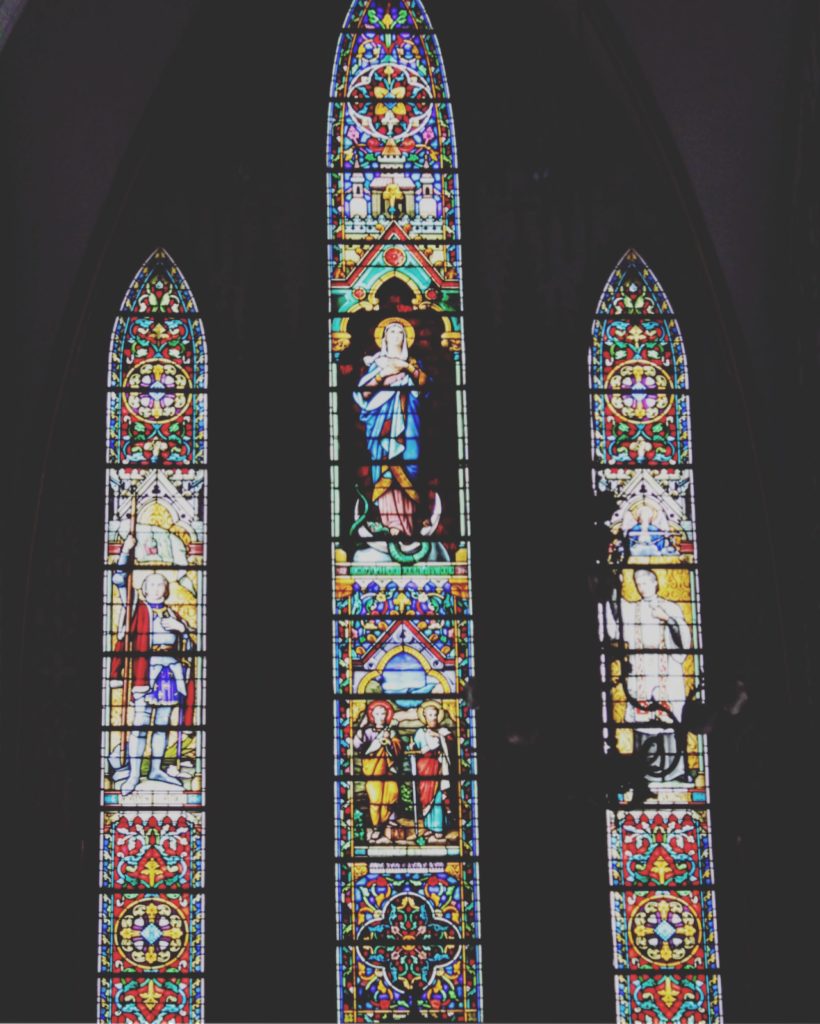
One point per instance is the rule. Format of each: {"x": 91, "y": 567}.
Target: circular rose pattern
{"x": 151, "y": 933}
{"x": 157, "y": 390}
{"x": 664, "y": 930}
{"x": 390, "y": 101}
{"x": 639, "y": 391}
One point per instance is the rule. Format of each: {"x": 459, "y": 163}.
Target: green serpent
{"x": 380, "y": 530}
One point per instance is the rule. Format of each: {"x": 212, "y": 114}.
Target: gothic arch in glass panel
{"x": 154, "y": 653}
{"x": 652, "y": 667}
{"x": 406, "y": 817}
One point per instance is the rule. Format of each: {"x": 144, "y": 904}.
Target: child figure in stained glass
{"x": 156, "y": 644}
{"x": 389, "y": 402}
{"x": 381, "y": 748}
{"x": 432, "y": 767}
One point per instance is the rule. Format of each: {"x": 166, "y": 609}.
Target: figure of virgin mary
{"x": 388, "y": 397}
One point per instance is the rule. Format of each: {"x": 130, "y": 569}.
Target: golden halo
{"x": 409, "y": 330}
{"x": 430, "y": 704}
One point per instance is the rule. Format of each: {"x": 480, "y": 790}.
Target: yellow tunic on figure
{"x": 378, "y": 764}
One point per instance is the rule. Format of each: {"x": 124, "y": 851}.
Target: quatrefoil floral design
{"x": 408, "y": 943}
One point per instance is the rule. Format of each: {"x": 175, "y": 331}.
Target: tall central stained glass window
{"x": 406, "y": 821}
{"x": 652, "y": 667}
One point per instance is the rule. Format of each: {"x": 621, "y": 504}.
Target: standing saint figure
{"x": 658, "y": 639}
{"x": 389, "y": 400}
{"x": 433, "y": 767}
{"x": 160, "y": 676}
{"x": 380, "y": 749}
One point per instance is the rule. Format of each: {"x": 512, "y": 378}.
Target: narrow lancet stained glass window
{"x": 151, "y": 915}
{"x": 659, "y": 836}
{"x": 406, "y": 821}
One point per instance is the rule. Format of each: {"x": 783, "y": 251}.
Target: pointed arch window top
{"x": 159, "y": 288}
{"x": 157, "y": 371}
{"x": 394, "y": 16}
{"x": 637, "y": 372}
{"x": 390, "y": 106}
{"x": 633, "y": 290}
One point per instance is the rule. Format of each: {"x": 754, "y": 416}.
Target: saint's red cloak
{"x": 140, "y": 647}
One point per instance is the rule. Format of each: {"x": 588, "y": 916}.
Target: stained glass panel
{"x": 152, "y": 768}
{"x": 428, "y": 911}
{"x": 652, "y": 660}
{"x": 406, "y": 812}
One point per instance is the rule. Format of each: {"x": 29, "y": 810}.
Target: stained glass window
{"x": 153, "y": 697}
{"x": 406, "y": 822}
{"x": 659, "y": 836}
